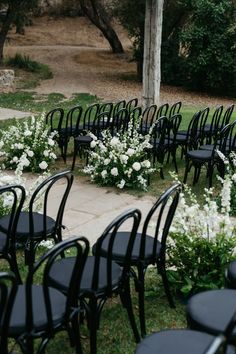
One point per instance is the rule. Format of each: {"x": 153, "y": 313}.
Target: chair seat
{"x": 3, "y": 240}
{"x": 61, "y": 271}
{"x": 231, "y": 274}
{"x": 83, "y": 139}
{"x": 176, "y": 342}
{"x": 181, "y": 138}
{"x": 211, "y": 311}
{"x": 200, "y": 154}
{"x": 207, "y": 147}
{"x": 22, "y": 232}
{"x": 18, "y": 323}
{"x": 120, "y": 246}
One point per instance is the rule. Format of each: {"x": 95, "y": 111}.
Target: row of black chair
{"x": 43, "y": 311}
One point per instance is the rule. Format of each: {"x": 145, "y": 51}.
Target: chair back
{"x": 12, "y": 200}
{"x": 159, "y": 132}
{"x": 226, "y": 117}
{"x": 192, "y": 132}
{"x": 117, "y": 106}
{"x": 74, "y": 121}
{"x": 162, "y": 110}
{"x": 175, "y": 108}
{"x": 214, "y": 124}
{"x": 79, "y": 246}
{"x": 54, "y": 119}
{"x": 131, "y": 104}
{"x": 148, "y": 118}
{"x": 89, "y": 115}
{"x": 201, "y": 133}
{"x": 173, "y": 127}
{"x": 225, "y": 140}
{"x": 162, "y": 214}
{"x": 131, "y": 218}
{"x": 106, "y": 107}
{"x": 7, "y": 296}
{"x": 120, "y": 121}
{"x": 101, "y": 122}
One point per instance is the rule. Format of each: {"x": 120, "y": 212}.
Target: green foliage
{"x": 198, "y": 263}
{"x": 209, "y": 46}
{"x": 24, "y": 62}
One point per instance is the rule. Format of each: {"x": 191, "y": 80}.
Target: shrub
{"x": 27, "y": 145}
{"x": 120, "y": 161}
{"x": 202, "y": 242}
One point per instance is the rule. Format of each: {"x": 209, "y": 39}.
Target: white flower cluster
{"x": 120, "y": 160}
{"x": 27, "y": 146}
{"x": 207, "y": 220}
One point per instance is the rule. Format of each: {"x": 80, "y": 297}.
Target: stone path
{"x": 90, "y": 209}
{"x": 6, "y": 113}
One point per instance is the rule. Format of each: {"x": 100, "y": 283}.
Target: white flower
{"x": 234, "y": 177}
{"x": 114, "y": 141}
{"x": 27, "y": 133}
{"x": 121, "y": 184}
{"x": 30, "y": 153}
{"x": 130, "y": 151}
{"x": 106, "y": 162}
{"x": 51, "y": 142}
{"x": 114, "y": 171}
{"x": 136, "y": 166}
{"x": 146, "y": 164}
{"x": 43, "y": 165}
{"x": 46, "y": 153}
{"x": 93, "y": 144}
{"x": 124, "y": 159}
{"x": 1, "y": 144}
{"x": 104, "y": 174}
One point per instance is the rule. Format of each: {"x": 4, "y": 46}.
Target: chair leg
{"x": 127, "y": 302}
{"x": 141, "y": 293}
{"x": 76, "y": 335}
{"x": 74, "y": 155}
{"x": 14, "y": 266}
{"x": 93, "y": 324}
{"x": 162, "y": 270}
{"x": 187, "y": 169}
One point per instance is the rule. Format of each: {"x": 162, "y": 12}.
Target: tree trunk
{"x": 94, "y": 10}
{"x": 152, "y": 52}
{"x": 10, "y": 16}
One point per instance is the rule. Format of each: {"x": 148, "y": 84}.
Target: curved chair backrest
{"x": 120, "y": 121}
{"x": 131, "y": 104}
{"x": 162, "y": 111}
{"x": 89, "y": 115}
{"x": 13, "y": 197}
{"x": 175, "y": 108}
{"x": 101, "y": 122}
{"x": 43, "y": 192}
{"x": 192, "y": 132}
{"x": 226, "y": 117}
{"x": 132, "y": 218}
{"x": 201, "y": 125}
{"x": 225, "y": 140}
{"x": 165, "y": 208}
{"x": 74, "y": 120}
{"x": 215, "y": 123}
{"x": 106, "y": 107}
{"x": 54, "y": 118}
{"x": 135, "y": 115}
{"x": 77, "y": 245}
{"x": 173, "y": 127}
{"x": 7, "y": 296}
{"x": 160, "y": 131}
{"x": 148, "y": 118}
{"x": 117, "y": 106}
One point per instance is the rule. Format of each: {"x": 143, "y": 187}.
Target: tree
{"x": 96, "y": 12}
{"x": 152, "y": 52}
{"x": 12, "y": 10}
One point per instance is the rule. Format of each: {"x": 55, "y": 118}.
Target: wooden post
{"x": 152, "y": 52}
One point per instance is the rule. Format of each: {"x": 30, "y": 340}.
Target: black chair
{"x": 102, "y": 277}
{"x": 88, "y": 117}
{"x": 7, "y": 297}
{"x": 82, "y": 142}
{"x": 119, "y": 122}
{"x": 148, "y": 118}
{"x": 147, "y": 249}
{"x": 175, "y": 108}
{"x": 32, "y": 226}
{"x": 170, "y": 145}
{"x": 117, "y": 106}
{"x": 131, "y": 104}
{"x": 212, "y": 128}
{"x": 40, "y": 311}
{"x": 230, "y": 275}
{"x": 162, "y": 110}
{"x": 16, "y": 196}
{"x": 158, "y": 138}
{"x": 106, "y": 107}
{"x": 185, "y": 341}
{"x": 197, "y": 158}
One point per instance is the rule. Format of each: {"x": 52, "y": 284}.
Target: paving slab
{"x": 6, "y": 113}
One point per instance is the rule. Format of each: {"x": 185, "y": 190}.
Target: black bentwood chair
{"x": 185, "y": 341}
{"x": 13, "y": 196}
{"x": 102, "y": 276}
{"x": 34, "y": 227}
{"x": 147, "y": 249}
{"x": 40, "y": 311}
{"x": 7, "y": 296}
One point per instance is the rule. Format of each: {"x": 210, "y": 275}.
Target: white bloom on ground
{"x": 43, "y": 165}
{"x": 130, "y": 151}
{"x": 121, "y": 184}
{"x": 106, "y": 162}
{"x": 114, "y": 171}
{"x": 104, "y": 174}
{"x": 114, "y": 141}
{"x": 124, "y": 159}
{"x": 136, "y": 166}
{"x": 93, "y": 144}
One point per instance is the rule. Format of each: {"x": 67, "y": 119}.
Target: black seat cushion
{"x": 120, "y": 247}
{"x": 211, "y": 311}
{"x": 22, "y": 231}
{"x": 83, "y": 139}
{"x": 207, "y": 147}
{"x": 18, "y": 317}
{"x": 3, "y": 240}
{"x": 61, "y": 272}
{"x": 176, "y": 342}
{"x": 231, "y": 274}
{"x": 200, "y": 154}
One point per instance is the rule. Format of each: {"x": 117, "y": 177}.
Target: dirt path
{"x": 81, "y": 61}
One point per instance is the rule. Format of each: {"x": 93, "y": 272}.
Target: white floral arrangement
{"x": 28, "y": 145}
{"x": 120, "y": 160}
